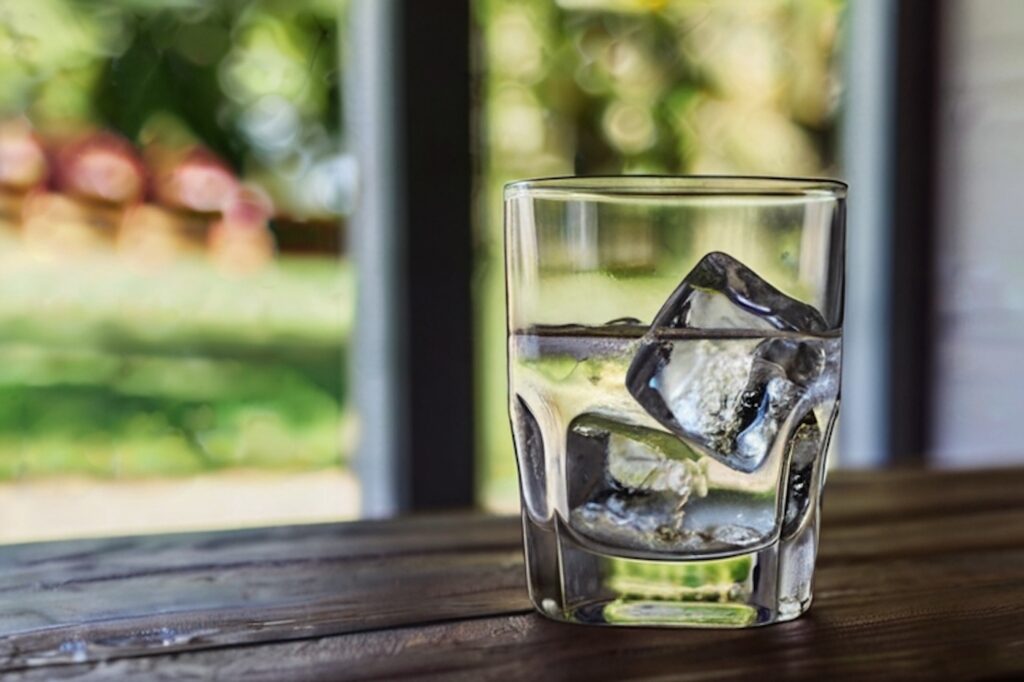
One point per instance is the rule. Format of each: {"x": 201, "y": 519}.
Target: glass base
{"x": 576, "y": 581}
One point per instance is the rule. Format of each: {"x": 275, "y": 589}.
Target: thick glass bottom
{"x": 573, "y": 580}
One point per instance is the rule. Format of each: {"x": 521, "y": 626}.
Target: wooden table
{"x": 920, "y": 575}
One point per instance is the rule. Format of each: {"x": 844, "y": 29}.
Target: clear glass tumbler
{"x": 674, "y": 358}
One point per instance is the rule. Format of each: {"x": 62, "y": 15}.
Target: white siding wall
{"x": 979, "y": 401}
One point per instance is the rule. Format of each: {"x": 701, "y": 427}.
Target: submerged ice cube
{"x": 731, "y": 394}
{"x": 629, "y": 484}
{"x": 605, "y": 453}
{"x": 644, "y": 489}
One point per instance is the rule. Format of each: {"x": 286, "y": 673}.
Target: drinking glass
{"x": 674, "y": 356}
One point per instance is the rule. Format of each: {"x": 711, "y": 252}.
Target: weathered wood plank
{"x": 860, "y": 496}
{"x": 896, "y": 547}
{"x": 95, "y": 599}
{"x": 920, "y": 537}
{"x": 960, "y": 617}
{"x": 266, "y": 603}
{"x": 84, "y": 558}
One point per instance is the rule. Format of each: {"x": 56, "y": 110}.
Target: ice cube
{"x": 652, "y": 521}
{"x": 784, "y": 373}
{"x": 731, "y": 396}
{"x": 722, "y": 293}
{"x": 734, "y": 535}
{"x": 630, "y": 484}
{"x": 605, "y": 452}
{"x": 642, "y": 521}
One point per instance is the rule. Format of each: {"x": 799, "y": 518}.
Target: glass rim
{"x": 677, "y": 186}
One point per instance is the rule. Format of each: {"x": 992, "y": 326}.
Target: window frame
{"x": 410, "y": 121}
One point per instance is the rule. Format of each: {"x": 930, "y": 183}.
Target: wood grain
{"x": 62, "y": 602}
{"x": 921, "y": 575}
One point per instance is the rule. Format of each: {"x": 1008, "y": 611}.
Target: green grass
{"x": 110, "y": 372}
{"x": 275, "y": 418}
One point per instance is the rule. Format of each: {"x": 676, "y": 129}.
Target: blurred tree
{"x": 158, "y": 73}
{"x": 256, "y": 81}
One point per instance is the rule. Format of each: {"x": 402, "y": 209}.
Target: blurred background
{"x": 251, "y": 253}
{"x": 175, "y": 296}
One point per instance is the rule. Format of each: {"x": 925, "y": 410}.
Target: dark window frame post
{"x": 914, "y": 227}
{"x": 890, "y": 161}
{"x": 412, "y": 241}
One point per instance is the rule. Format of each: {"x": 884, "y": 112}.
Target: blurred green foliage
{"x": 108, "y": 373}
{"x": 638, "y": 86}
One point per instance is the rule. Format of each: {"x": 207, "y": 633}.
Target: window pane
{"x": 175, "y": 300}
{"x": 638, "y": 86}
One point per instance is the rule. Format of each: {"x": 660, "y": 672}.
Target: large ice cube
{"x": 732, "y": 394}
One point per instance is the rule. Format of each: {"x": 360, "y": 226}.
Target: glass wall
{"x": 175, "y": 298}
{"x": 637, "y": 86}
